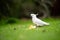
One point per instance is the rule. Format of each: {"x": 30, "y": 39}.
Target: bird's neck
{"x": 34, "y": 17}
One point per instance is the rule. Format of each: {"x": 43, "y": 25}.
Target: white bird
{"x": 37, "y": 21}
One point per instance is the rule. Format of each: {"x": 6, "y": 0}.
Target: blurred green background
{"x": 15, "y": 19}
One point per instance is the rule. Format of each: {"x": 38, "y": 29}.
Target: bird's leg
{"x": 38, "y": 25}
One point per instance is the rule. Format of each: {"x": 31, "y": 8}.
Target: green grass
{"x": 20, "y": 31}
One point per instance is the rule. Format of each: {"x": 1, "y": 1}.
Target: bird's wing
{"x": 38, "y": 21}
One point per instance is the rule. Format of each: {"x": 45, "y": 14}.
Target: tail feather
{"x": 47, "y": 24}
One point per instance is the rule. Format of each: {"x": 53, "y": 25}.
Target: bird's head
{"x": 33, "y": 15}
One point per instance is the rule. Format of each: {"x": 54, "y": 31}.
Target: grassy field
{"x": 21, "y": 31}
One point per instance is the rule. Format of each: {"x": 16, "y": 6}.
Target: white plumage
{"x": 37, "y": 21}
